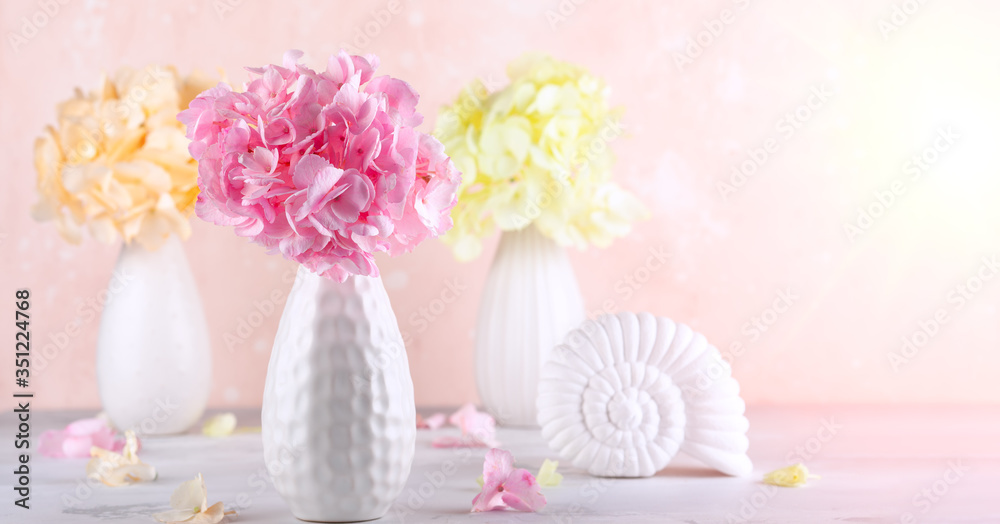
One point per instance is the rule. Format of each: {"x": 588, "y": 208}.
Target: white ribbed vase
{"x": 154, "y": 361}
{"x": 530, "y": 302}
{"x": 338, "y": 419}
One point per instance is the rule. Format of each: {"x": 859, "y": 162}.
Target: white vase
{"x": 530, "y": 302}
{"x": 338, "y": 419}
{"x": 154, "y": 361}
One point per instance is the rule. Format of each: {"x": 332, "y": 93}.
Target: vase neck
{"x": 171, "y": 244}
{"x": 527, "y": 239}
{"x": 353, "y": 284}
{"x": 168, "y": 255}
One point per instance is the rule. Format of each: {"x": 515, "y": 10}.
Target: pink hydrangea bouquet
{"x": 325, "y": 167}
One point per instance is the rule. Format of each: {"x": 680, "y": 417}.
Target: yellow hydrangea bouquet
{"x": 536, "y": 152}
{"x": 536, "y": 163}
{"x": 117, "y": 161}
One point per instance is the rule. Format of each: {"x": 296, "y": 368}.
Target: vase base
{"x": 504, "y": 419}
{"x": 324, "y": 521}
{"x": 333, "y": 518}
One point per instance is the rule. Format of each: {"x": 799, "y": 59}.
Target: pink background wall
{"x": 782, "y": 230}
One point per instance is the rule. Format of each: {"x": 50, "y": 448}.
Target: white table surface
{"x": 874, "y": 467}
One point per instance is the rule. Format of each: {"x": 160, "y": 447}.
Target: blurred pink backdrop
{"x": 824, "y": 104}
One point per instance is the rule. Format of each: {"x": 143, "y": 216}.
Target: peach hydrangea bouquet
{"x": 325, "y": 167}
{"x": 117, "y": 164}
{"x": 536, "y": 153}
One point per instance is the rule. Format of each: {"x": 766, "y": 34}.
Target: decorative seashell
{"x": 624, "y": 393}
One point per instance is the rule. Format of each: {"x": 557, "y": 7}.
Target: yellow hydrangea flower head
{"x": 536, "y": 153}
{"x": 117, "y": 161}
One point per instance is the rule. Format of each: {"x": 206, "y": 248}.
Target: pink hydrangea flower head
{"x": 325, "y": 167}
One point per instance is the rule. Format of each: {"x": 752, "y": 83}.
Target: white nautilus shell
{"x": 624, "y": 393}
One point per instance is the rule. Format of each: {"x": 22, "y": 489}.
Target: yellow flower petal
{"x": 115, "y": 469}
{"x": 789, "y": 477}
{"x": 103, "y": 229}
{"x": 175, "y": 515}
{"x": 221, "y": 425}
{"x": 547, "y": 476}
{"x": 131, "y": 449}
{"x": 129, "y": 474}
{"x": 190, "y": 503}
{"x": 190, "y": 495}
{"x": 211, "y": 515}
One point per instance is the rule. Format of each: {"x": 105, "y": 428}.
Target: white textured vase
{"x": 338, "y": 419}
{"x": 154, "y": 361}
{"x": 530, "y": 302}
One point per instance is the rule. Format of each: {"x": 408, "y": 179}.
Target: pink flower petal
{"x": 434, "y": 421}
{"x": 504, "y": 486}
{"x": 521, "y": 491}
{"x": 107, "y": 439}
{"x": 85, "y": 426}
{"x": 459, "y": 442}
{"x": 78, "y": 437}
{"x": 77, "y": 446}
{"x": 50, "y": 443}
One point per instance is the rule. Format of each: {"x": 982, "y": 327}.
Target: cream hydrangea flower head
{"x": 117, "y": 161}
{"x": 536, "y": 152}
